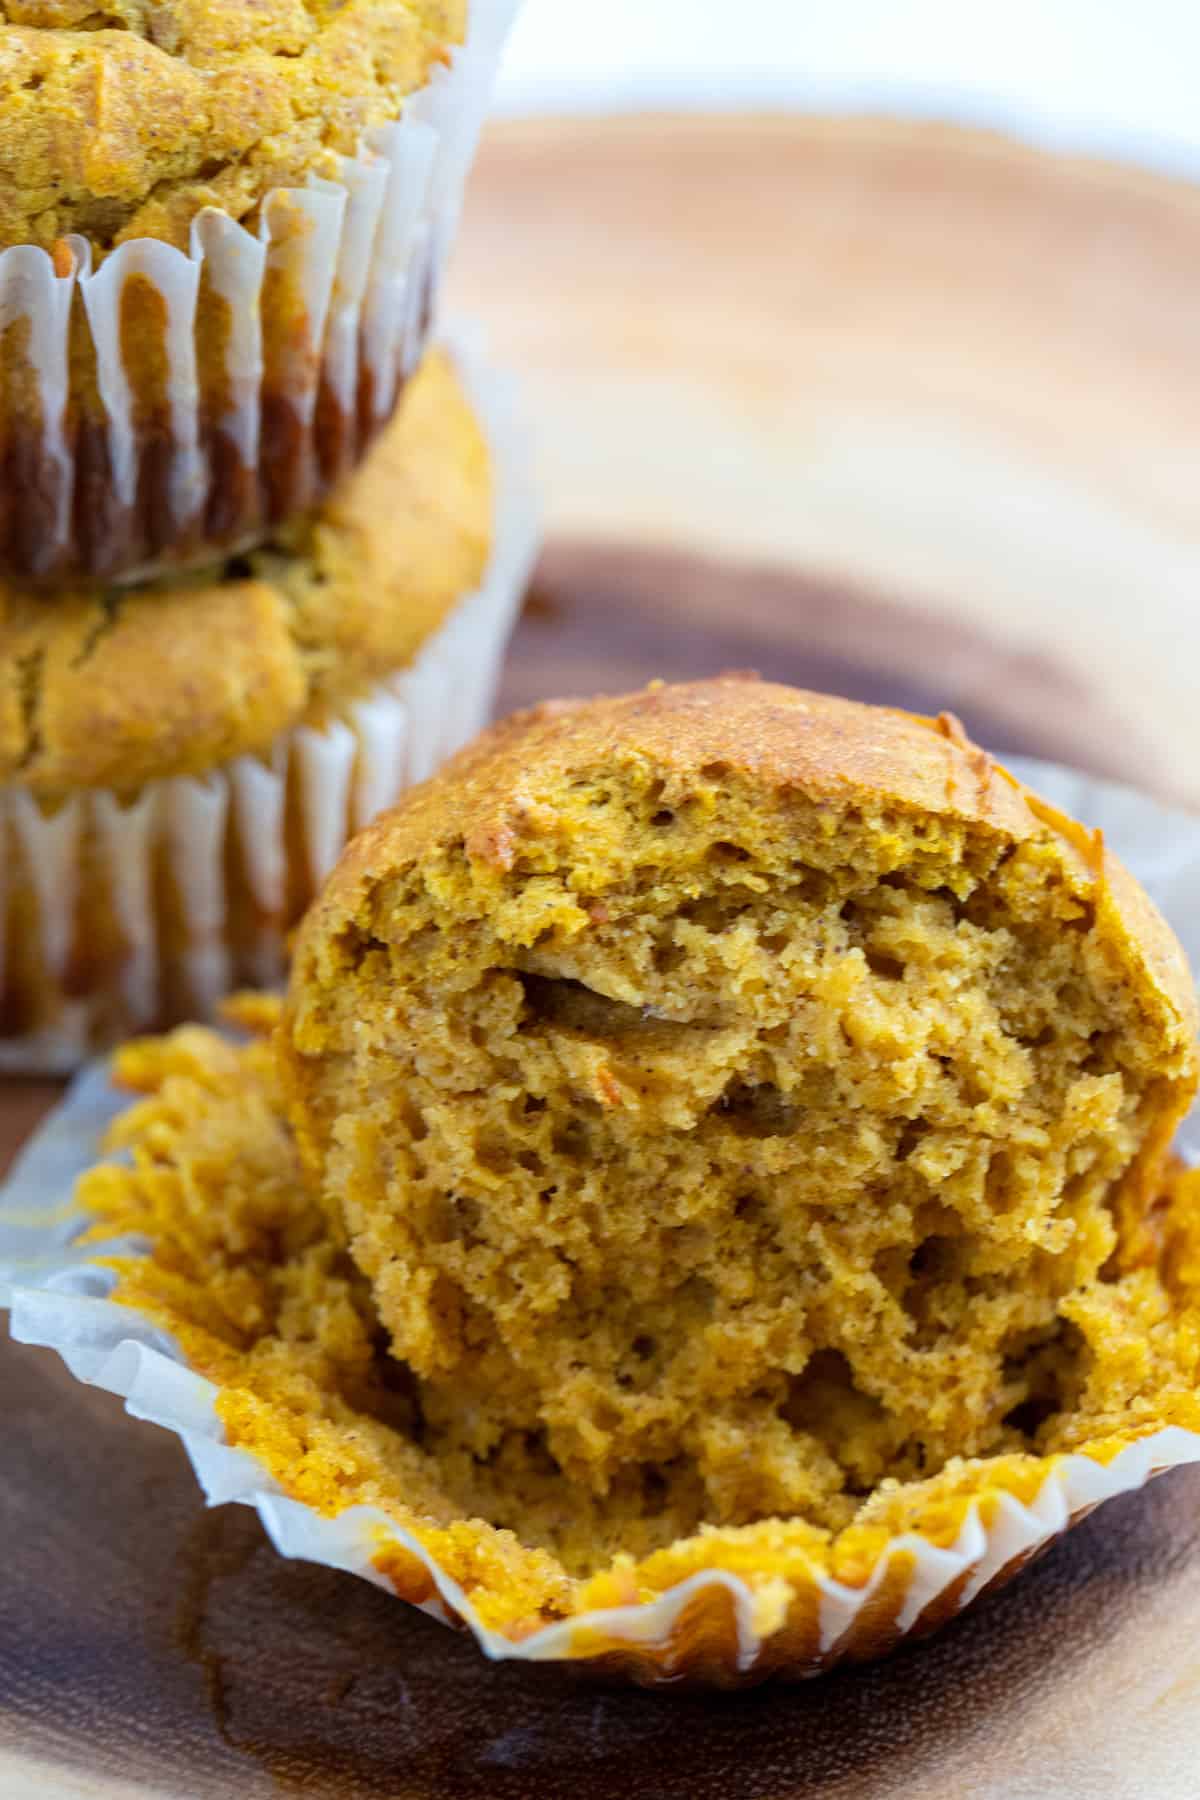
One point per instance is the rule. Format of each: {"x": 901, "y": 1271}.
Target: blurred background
{"x": 1083, "y": 73}
{"x": 862, "y": 346}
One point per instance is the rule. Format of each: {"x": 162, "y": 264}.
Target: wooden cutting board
{"x": 895, "y": 410}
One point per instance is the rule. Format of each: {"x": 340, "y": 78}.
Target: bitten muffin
{"x": 180, "y": 763}
{"x": 126, "y": 120}
{"x": 774, "y": 1076}
{"x": 736, "y": 1099}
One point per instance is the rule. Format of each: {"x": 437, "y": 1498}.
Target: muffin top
{"x": 733, "y": 1095}
{"x": 113, "y": 689}
{"x": 126, "y": 120}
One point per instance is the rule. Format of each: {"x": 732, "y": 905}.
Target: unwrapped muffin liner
{"x": 716, "y": 1627}
{"x": 278, "y": 353}
{"x": 241, "y": 849}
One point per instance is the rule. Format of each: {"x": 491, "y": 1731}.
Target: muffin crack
{"x": 107, "y": 616}
{"x": 30, "y": 669}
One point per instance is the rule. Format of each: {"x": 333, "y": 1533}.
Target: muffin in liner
{"x": 159, "y": 405}
{"x": 723, "y": 1608}
{"x": 189, "y": 885}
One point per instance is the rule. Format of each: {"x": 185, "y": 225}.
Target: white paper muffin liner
{"x": 259, "y": 815}
{"x": 715, "y": 1626}
{"x": 254, "y": 423}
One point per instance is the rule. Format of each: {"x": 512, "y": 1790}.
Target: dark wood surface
{"x": 149, "y": 1649}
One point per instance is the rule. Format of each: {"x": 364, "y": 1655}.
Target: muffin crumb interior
{"x": 716, "y": 1156}
{"x": 264, "y": 1300}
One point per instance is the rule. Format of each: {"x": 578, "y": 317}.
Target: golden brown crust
{"x": 120, "y": 688}
{"x": 494, "y": 794}
{"x": 124, "y": 120}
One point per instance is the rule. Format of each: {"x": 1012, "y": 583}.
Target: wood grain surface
{"x": 929, "y": 366}
{"x": 886, "y": 409}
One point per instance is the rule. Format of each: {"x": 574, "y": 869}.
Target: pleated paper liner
{"x": 119, "y": 912}
{"x": 164, "y": 406}
{"x": 724, "y": 1625}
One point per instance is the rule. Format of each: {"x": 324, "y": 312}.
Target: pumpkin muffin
{"x": 733, "y": 1096}
{"x": 180, "y": 763}
{"x": 715, "y": 1136}
{"x": 222, "y": 232}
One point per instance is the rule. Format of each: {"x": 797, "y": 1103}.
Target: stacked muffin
{"x": 259, "y": 545}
